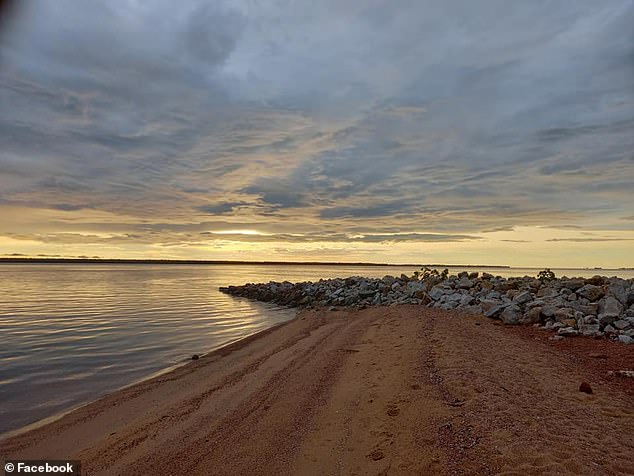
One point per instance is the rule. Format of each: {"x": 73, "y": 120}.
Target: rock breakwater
{"x": 571, "y": 306}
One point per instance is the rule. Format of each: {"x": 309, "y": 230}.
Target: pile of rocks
{"x": 572, "y": 306}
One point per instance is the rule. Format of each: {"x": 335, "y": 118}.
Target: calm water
{"x": 73, "y": 332}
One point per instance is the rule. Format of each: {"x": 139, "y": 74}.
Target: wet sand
{"x": 399, "y": 390}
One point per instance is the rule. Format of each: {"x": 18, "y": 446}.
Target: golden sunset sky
{"x": 456, "y": 132}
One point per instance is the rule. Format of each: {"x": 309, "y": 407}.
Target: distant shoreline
{"x": 277, "y": 263}
{"x": 25, "y": 260}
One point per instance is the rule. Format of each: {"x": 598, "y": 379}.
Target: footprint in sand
{"x": 376, "y": 455}
{"x": 393, "y": 410}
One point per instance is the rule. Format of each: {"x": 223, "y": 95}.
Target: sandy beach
{"x": 397, "y": 390}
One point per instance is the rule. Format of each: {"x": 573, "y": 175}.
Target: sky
{"x": 454, "y": 131}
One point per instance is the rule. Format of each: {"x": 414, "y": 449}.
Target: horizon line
{"x": 42, "y": 260}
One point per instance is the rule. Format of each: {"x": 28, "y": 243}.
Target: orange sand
{"x": 399, "y": 390}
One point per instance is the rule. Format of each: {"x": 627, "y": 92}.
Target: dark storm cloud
{"x": 449, "y": 117}
{"x": 221, "y": 208}
{"x": 382, "y": 210}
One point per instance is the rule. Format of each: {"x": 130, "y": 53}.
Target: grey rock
{"x": 523, "y": 298}
{"x": 591, "y": 292}
{"x": 466, "y": 300}
{"x": 455, "y": 297}
{"x": 609, "y": 329}
{"x": 590, "y": 319}
{"x": 474, "y": 309}
{"x": 587, "y": 308}
{"x": 545, "y": 292}
{"x": 465, "y": 283}
{"x": 388, "y": 279}
{"x": 573, "y": 284}
{"x": 535, "y": 303}
{"x": 511, "y": 315}
{"x": 494, "y": 311}
{"x": 621, "y": 324}
{"x": 532, "y": 316}
{"x": 626, "y": 339}
{"x": 619, "y": 289}
{"x": 436, "y": 292}
{"x": 488, "y": 304}
{"x": 568, "y": 332}
{"x": 609, "y": 308}
{"x": 564, "y": 313}
{"x": 367, "y": 293}
{"x": 589, "y": 329}
{"x": 548, "y": 310}
{"x": 494, "y": 295}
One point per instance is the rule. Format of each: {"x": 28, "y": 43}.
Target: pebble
{"x": 626, "y": 339}
{"x": 585, "y": 388}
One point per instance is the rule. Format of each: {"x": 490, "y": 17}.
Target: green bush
{"x": 546, "y": 275}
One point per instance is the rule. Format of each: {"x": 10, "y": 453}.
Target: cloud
{"x": 381, "y": 210}
{"x": 589, "y": 240}
{"x": 332, "y": 119}
{"x": 221, "y": 208}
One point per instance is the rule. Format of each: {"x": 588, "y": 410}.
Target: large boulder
{"x": 621, "y": 324}
{"x": 548, "y": 310}
{"x": 438, "y": 291}
{"x": 609, "y": 309}
{"x": 414, "y": 286}
{"x": 573, "y": 284}
{"x": 464, "y": 283}
{"x": 423, "y": 296}
{"x": 488, "y": 304}
{"x": 522, "y": 298}
{"x": 564, "y": 313}
{"x": 466, "y": 300}
{"x": 596, "y": 280}
{"x": 547, "y": 291}
{"x": 511, "y": 315}
{"x": 532, "y": 316}
{"x": 494, "y": 311}
{"x": 455, "y": 297}
{"x": 619, "y": 289}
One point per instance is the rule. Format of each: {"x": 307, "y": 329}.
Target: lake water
{"x": 70, "y": 333}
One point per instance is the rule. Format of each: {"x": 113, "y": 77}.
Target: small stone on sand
{"x": 585, "y": 388}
